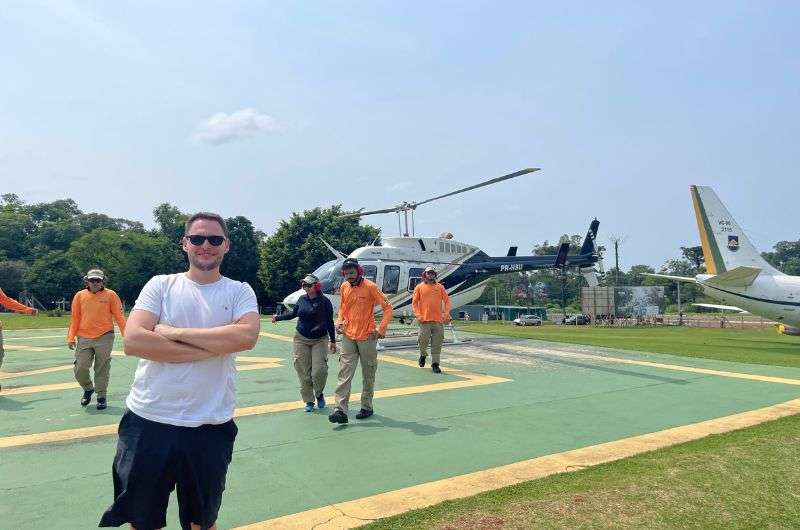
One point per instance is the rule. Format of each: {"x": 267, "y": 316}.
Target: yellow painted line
{"x": 254, "y": 359}
{"x": 663, "y": 366}
{"x": 351, "y": 514}
{"x": 274, "y": 336}
{"x": 256, "y": 366}
{"x": 40, "y": 337}
{"x": 12, "y": 375}
{"x": 37, "y": 388}
{"x": 23, "y": 347}
{"x": 469, "y": 380}
{"x": 57, "y": 436}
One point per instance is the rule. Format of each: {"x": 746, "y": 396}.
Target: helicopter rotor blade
{"x": 480, "y": 185}
{"x": 371, "y": 212}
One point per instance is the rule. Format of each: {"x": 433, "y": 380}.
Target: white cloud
{"x": 402, "y": 185}
{"x": 222, "y": 128}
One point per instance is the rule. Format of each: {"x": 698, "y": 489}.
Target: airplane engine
{"x": 787, "y": 330}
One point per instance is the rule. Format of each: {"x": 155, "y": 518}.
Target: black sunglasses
{"x": 95, "y": 280}
{"x": 199, "y": 240}
{"x": 306, "y": 285}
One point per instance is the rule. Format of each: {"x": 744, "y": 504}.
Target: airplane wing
{"x": 725, "y": 307}
{"x": 670, "y": 277}
{"x": 738, "y": 277}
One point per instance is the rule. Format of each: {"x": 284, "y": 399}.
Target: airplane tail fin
{"x": 725, "y": 246}
{"x": 588, "y": 242}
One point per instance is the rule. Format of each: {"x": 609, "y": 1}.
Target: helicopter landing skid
{"x": 409, "y": 340}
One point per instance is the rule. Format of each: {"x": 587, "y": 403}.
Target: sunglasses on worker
{"x": 95, "y": 280}
{"x": 196, "y": 240}
{"x": 306, "y": 284}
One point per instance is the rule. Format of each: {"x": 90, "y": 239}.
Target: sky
{"x": 262, "y": 109}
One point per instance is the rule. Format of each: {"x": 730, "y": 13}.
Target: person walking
{"x": 91, "y": 335}
{"x": 356, "y": 322}
{"x": 314, "y": 312}
{"x": 431, "y": 306}
{"x": 12, "y": 305}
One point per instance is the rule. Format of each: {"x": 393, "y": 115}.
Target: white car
{"x": 528, "y": 320}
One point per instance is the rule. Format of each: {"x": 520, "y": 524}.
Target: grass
{"x": 742, "y": 479}
{"x": 40, "y": 321}
{"x": 755, "y": 346}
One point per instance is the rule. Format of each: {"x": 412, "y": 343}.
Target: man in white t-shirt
{"x": 178, "y": 429}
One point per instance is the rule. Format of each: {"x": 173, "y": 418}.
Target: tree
{"x": 635, "y": 275}
{"x": 92, "y": 221}
{"x": 15, "y": 227}
{"x": 695, "y": 256}
{"x": 12, "y": 277}
{"x": 785, "y": 257}
{"x": 242, "y": 261}
{"x": 54, "y": 235}
{"x": 295, "y": 249}
{"x": 53, "y": 277}
{"x": 129, "y": 258}
{"x": 53, "y": 211}
{"x": 170, "y": 221}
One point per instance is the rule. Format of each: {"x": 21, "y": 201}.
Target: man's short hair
{"x": 208, "y": 216}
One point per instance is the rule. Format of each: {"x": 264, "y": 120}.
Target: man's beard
{"x": 206, "y": 266}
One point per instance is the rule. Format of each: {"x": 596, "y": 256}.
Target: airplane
{"x": 396, "y": 264}
{"x": 737, "y": 275}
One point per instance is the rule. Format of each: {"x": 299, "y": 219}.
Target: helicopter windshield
{"x": 330, "y": 276}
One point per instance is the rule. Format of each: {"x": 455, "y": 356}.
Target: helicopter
{"x": 396, "y": 265}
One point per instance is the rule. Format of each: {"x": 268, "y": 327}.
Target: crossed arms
{"x": 146, "y": 338}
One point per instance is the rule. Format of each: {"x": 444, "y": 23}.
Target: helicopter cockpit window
{"x": 391, "y": 279}
{"x": 414, "y": 277}
{"x": 330, "y": 276}
{"x": 370, "y": 272}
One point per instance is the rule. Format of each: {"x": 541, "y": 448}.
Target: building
{"x": 500, "y": 312}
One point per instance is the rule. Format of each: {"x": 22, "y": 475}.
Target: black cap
{"x": 350, "y": 263}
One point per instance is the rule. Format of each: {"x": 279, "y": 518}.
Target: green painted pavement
{"x": 292, "y": 461}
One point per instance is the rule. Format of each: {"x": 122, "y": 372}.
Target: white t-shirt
{"x": 198, "y": 392}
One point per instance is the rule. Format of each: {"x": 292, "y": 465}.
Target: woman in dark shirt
{"x": 314, "y": 328}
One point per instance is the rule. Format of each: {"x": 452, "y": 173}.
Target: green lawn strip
{"x": 40, "y": 321}
{"x": 743, "y": 479}
{"x": 754, "y": 346}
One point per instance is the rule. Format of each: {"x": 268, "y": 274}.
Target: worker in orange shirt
{"x": 358, "y": 298}
{"x": 12, "y": 305}
{"x": 91, "y": 335}
{"x": 431, "y": 306}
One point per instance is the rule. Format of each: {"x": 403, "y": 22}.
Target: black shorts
{"x": 152, "y": 458}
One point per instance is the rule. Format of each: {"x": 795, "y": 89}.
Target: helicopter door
{"x": 371, "y": 272}
{"x": 391, "y": 279}
{"x": 414, "y": 277}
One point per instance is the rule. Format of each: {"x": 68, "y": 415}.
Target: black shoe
{"x": 422, "y": 361}
{"x": 338, "y": 417}
{"x": 364, "y": 414}
{"x": 435, "y": 368}
{"x": 87, "y": 397}
{"x": 101, "y": 403}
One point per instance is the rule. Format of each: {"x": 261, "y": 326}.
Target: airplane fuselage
{"x": 776, "y": 297}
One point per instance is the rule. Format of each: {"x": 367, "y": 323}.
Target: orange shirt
{"x": 13, "y": 305}
{"x": 92, "y": 313}
{"x": 431, "y": 303}
{"x": 357, "y": 309}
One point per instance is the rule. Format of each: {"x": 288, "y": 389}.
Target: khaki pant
{"x": 352, "y": 351}
{"x": 432, "y": 332}
{"x": 99, "y": 351}
{"x": 311, "y": 363}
